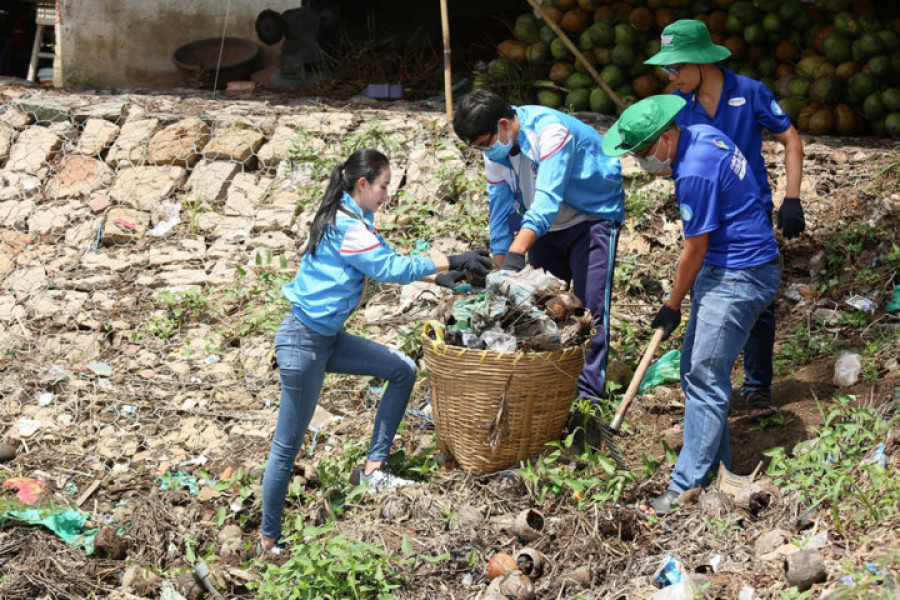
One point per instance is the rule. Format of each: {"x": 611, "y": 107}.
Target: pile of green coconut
{"x": 834, "y": 65}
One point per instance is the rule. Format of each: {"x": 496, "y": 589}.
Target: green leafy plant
{"x": 585, "y": 476}
{"x": 840, "y": 468}
{"x": 323, "y": 564}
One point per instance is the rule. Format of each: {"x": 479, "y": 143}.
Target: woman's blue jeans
{"x": 304, "y": 357}
{"x": 725, "y": 304}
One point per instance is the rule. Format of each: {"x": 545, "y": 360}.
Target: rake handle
{"x": 631, "y": 392}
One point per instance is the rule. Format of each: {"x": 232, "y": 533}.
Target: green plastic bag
{"x": 666, "y": 370}
{"x": 67, "y": 524}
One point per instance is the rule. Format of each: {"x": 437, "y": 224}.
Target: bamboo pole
{"x": 448, "y": 79}
{"x": 576, "y": 52}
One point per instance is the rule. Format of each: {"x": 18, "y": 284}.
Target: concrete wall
{"x": 129, "y": 43}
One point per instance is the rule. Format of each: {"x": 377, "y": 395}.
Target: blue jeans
{"x": 725, "y": 304}
{"x": 585, "y": 254}
{"x": 304, "y": 357}
{"x": 759, "y": 350}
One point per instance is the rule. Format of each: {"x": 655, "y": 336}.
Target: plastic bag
{"x": 846, "y": 369}
{"x": 497, "y": 339}
{"x": 666, "y": 370}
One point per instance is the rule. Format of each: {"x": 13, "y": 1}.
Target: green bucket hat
{"x": 687, "y": 41}
{"x": 641, "y": 123}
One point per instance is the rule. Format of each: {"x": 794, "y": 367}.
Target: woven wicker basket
{"x": 493, "y": 409}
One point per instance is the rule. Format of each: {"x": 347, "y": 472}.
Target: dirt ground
{"x": 159, "y": 528}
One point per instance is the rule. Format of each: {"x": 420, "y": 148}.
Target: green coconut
{"x": 755, "y": 34}
{"x": 892, "y": 124}
{"x": 613, "y": 75}
{"x": 547, "y": 34}
{"x": 771, "y": 23}
{"x": 891, "y": 99}
{"x": 847, "y": 24}
{"x": 559, "y": 50}
{"x": 863, "y": 84}
{"x": 837, "y": 47}
{"x": 527, "y": 28}
{"x": 551, "y": 98}
{"x": 578, "y": 81}
{"x": 825, "y": 91}
{"x": 600, "y": 102}
{"x": 623, "y": 55}
{"x": 578, "y": 100}
{"x": 870, "y": 44}
{"x": 537, "y": 52}
{"x": 601, "y": 34}
{"x": 890, "y": 40}
{"x": 623, "y": 33}
{"x": 881, "y": 67}
{"x": 873, "y": 106}
{"x": 800, "y": 87}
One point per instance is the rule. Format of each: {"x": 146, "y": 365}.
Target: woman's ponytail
{"x": 362, "y": 163}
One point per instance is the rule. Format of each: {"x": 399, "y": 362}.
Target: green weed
{"x": 837, "y": 468}
{"x": 584, "y": 476}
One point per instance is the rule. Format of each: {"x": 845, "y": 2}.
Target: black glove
{"x": 514, "y": 261}
{"x": 790, "y": 218}
{"x": 477, "y": 261}
{"x": 668, "y": 319}
{"x": 449, "y": 279}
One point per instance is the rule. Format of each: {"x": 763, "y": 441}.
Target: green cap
{"x": 687, "y": 41}
{"x": 641, "y": 123}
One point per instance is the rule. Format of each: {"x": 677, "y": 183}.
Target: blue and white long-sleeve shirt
{"x": 560, "y": 178}
{"x": 330, "y": 282}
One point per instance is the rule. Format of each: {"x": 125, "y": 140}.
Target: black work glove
{"x": 668, "y": 319}
{"x": 514, "y": 261}
{"x": 477, "y": 261}
{"x": 449, "y": 279}
{"x": 790, "y": 218}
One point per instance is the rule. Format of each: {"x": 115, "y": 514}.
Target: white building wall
{"x": 129, "y": 43}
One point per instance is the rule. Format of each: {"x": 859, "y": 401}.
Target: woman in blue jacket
{"x": 343, "y": 252}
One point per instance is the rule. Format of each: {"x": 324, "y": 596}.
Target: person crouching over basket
{"x": 342, "y": 252}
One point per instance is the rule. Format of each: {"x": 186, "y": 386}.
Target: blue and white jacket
{"x": 329, "y": 283}
{"x": 561, "y": 177}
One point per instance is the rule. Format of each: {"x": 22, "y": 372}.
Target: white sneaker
{"x": 382, "y": 480}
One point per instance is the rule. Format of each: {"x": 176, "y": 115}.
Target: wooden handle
{"x": 577, "y": 53}
{"x": 631, "y": 392}
{"x": 448, "y": 79}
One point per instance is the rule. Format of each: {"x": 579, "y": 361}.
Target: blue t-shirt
{"x": 746, "y": 107}
{"x": 717, "y": 194}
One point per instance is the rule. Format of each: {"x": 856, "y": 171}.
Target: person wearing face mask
{"x": 741, "y": 108}
{"x": 555, "y": 196}
{"x": 730, "y": 264}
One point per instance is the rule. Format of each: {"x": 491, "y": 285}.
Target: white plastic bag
{"x": 846, "y": 369}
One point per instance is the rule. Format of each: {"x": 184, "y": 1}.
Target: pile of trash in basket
{"x": 526, "y": 310}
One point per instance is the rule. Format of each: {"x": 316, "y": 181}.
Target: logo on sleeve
{"x": 721, "y": 144}
{"x": 739, "y": 101}
{"x": 776, "y": 108}
{"x": 686, "y": 213}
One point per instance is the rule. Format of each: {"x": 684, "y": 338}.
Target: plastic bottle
{"x": 846, "y": 369}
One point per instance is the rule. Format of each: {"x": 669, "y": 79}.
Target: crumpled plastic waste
{"x": 65, "y": 523}
{"x": 28, "y": 491}
{"x": 173, "y": 481}
{"x": 667, "y": 369}
{"x": 893, "y": 306}
{"x": 668, "y": 573}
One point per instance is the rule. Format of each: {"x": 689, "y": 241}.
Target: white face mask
{"x": 652, "y": 164}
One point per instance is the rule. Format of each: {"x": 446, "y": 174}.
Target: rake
{"x": 608, "y": 432}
